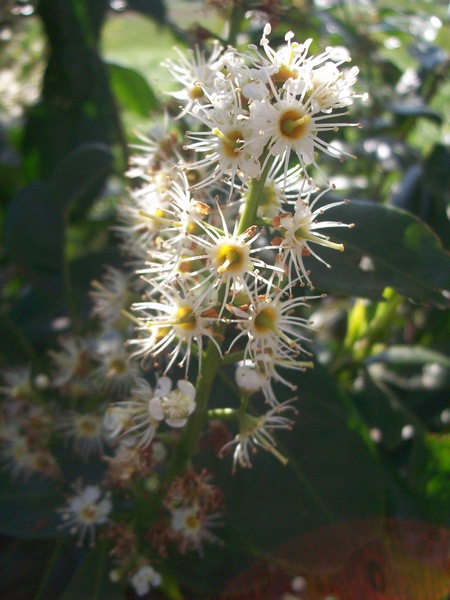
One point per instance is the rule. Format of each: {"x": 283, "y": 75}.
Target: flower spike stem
{"x": 189, "y": 440}
{"x": 190, "y": 437}
{"x": 248, "y": 217}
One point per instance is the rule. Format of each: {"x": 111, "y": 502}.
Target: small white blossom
{"x": 85, "y": 510}
{"x": 173, "y": 406}
{"x": 191, "y": 526}
{"x": 145, "y": 578}
{"x": 256, "y": 432}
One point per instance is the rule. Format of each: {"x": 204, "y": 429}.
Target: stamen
{"x": 292, "y": 124}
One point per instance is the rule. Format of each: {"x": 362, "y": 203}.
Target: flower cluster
{"x": 224, "y": 226}
{"x": 219, "y": 232}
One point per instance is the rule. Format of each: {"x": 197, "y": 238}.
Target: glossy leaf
{"x": 407, "y": 355}
{"x": 132, "y": 90}
{"x": 316, "y": 487}
{"x": 28, "y": 508}
{"x": 429, "y": 475}
{"x": 388, "y": 247}
{"x": 91, "y": 579}
{"x": 79, "y": 175}
{"x": 34, "y": 236}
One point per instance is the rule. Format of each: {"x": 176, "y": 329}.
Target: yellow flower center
{"x": 87, "y": 426}
{"x": 196, "y": 92}
{"x": 283, "y": 74}
{"x": 117, "y": 367}
{"x": 186, "y": 319}
{"x": 229, "y": 258}
{"x": 292, "y": 124}
{"x": 193, "y": 522}
{"x": 265, "y": 320}
{"x": 232, "y": 142}
{"x": 88, "y": 513}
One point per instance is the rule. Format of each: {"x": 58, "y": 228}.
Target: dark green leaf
{"x": 415, "y": 109}
{"x": 36, "y": 569}
{"x": 317, "y": 487}
{"x": 28, "y": 508}
{"x": 388, "y": 247}
{"x": 34, "y": 236}
{"x": 429, "y": 475}
{"x": 91, "y": 580}
{"x": 78, "y": 176}
{"x": 156, "y": 9}
{"x": 132, "y": 90}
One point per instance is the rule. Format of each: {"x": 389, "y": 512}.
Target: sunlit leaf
{"x": 388, "y": 247}
{"x": 132, "y": 90}
{"x": 429, "y": 475}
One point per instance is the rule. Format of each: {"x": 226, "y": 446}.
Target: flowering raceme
{"x": 241, "y": 211}
{"x": 218, "y": 232}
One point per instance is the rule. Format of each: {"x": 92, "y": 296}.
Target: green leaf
{"x": 388, "y": 247}
{"x": 408, "y": 355}
{"x": 415, "y": 109}
{"x": 34, "y": 236}
{"x": 91, "y": 580}
{"x": 429, "y": 475}
{"x": 46, "y": 567}
{"x": 28, "y": 508}
{"x": 132, "y": 90}
{"x": 333, "y": 472}
{"x": 79, "y": 175}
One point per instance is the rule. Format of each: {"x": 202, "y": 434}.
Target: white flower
{"x": 178, "y": 319}
{"x": 110, "y": 296}
{"x": 86, "y": 430}
{"x": 256, "y": 432}
{"x": 271, "y": 326}
{"x": 141, "y": 215}
{"x": 131, "y": 418}
{"x": 194, "y": 71}
{"x": 229, "y": 261}
{"x": 115, "y": 371}
{"x": 72, "y": 360}
{"x": 145, "y": 578}
{"x": 301, "y": 229}
{"x": 191, "y": 526}
{"x": 290, "y": 124}
{"x": 173, "y": 406}
{"x": 18, "y": 382}
{"x": 21, "y": 459}
{"x": 247, "y": 376}
{"x": 232, "y": 143}
{"x": 85, "y": 510}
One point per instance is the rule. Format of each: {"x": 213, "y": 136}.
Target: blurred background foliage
{"x": 78, "y": 80}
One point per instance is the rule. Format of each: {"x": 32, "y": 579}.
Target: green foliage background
{"x": 61, "y": 175}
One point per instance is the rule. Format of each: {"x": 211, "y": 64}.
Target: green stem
{"x": 248, "y": 217}
{"x": 235, "y": 17}
{"x": 188, "y": 443}
{"x": 213, "y": 361}
{"x": 228, "y": 414}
